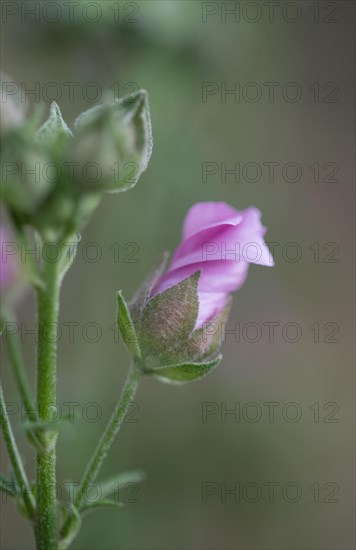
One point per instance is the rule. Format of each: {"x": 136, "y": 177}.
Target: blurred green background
{"x": 171, "y": 52}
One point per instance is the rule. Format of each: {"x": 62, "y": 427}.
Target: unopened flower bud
{"x": 115, "y": 140}
{"x": 178, "y": 315}
{"x": 52, "y": 180}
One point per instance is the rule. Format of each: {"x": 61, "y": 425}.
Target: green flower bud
{"x": 68, "y": 206}
{"x": 117, "y": 139}
{"x": 160, "y": 332}
{"x": 23, "y": 162}
{"x": 47, "y": 176}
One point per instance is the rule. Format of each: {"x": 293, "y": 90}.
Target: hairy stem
{"x": 48, "y": 306}
{"x": 16, "y": 359}
{"x": 104, "y": 444}
{"x": 15, "y": 459}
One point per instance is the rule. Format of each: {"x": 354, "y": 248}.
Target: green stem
{"x": 104, "y": 444}
{"x": 48, "y": 306}
{"x": 109, "y": 434}
{"x": 15, "y": 460}
{"x": 15, "y": 355}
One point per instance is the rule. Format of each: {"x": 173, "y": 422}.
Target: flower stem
{"x": 15, "y": 460}
{"x": 109, "y": 434}
{"x": 48, "y": 306}
{"x": 16, "y": 359}
{"x": 105, "y": 443}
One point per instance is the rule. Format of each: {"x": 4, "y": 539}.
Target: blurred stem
{"x": 15, "y": 355}
{"x": 15, "y": 459}
{"x": 48, "y": 307}
{"x": 104, "y": 444}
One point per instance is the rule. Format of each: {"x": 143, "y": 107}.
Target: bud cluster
{"x": 53, "y": 178}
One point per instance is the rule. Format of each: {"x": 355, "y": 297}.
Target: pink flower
{"x": 8, "y": 264}
{"x": 220, "y": 242}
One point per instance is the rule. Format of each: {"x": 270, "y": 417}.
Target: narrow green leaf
{"x": 185, "y": 372}
{"x": 126, "y": 327}
{"x": 112, "y": 485}
{"x": 69, "y": 253}
{"x": 42, "y": 426}
{"x": 117, "y": 483}
{"x": 73, "y": 525}
{"x": 100, "y": 504}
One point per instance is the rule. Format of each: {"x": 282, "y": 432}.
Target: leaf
{"x": 68, "y": 253}
{"x": 185, "y": 372}
{"x": 43, "y": 434}
{"x": 100, "y": 504}
{"x": 70, "y": 529}
{"x": 126, "y": 327}
{"x": 54, "y": 130}
{"x": 167, "y": 321}
{"x": 116, "y": 483}
{"x": 45, "y": 426}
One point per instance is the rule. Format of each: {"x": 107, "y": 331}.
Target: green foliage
{"x": 186, "y": 372}
{"x": 127, "y": 328}
{"x": 118, "y": 482}
{"x": 72, "y": 527}
{"x": 53, "y": 180}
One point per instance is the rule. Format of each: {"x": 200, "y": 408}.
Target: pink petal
{"x": 210, "y": 305}
{"x": 242, "y": 241}
{"x": 220, "y": 242}
{"x": 208, "y": 214}
{"x": 213, "y": 277}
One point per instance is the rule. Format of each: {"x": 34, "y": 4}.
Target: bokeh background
{"x": 167, "y": 48}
